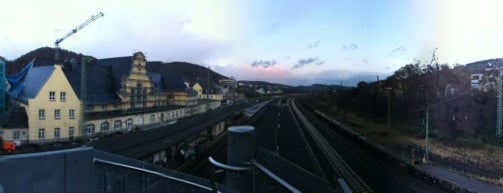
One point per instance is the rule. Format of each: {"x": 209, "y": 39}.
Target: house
{"x": 484, "y": 74}
{"x": 207, "y": 90}
{"x": 50, "y": 102}
{"x": 66, "y": 100}
{"x": 14, "y": 125}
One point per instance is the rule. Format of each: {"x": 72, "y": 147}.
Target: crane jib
{"x": 84, "y": 24}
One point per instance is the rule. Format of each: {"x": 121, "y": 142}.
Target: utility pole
{"x": 389, "y": 114}
{"x": 427, "y": 137}
{"x": 83, "y": 97}
{"x": 499, "y": 105}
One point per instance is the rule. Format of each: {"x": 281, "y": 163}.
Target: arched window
{"x": 117, "y": 124}
{"x": 90, "y": 129}
{"x": 152, "y": 119}
{"x": 104, "y": 126}
{"x": 129, "y": 123}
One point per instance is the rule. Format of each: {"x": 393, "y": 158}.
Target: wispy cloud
{"x": 398, "y": 49}
{"x": 307, "y": 61}
{"x": 264, "y": 63}
{"x": 313, "y": 45}
{"x": 352, "y": 46}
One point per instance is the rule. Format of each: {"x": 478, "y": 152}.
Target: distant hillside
{"x": 320, "y": 87}
{"x": 191, "y": 72}
{"x": 43, "y": 53}
{"x": 480, "y": 66}
{"x": 263, "y": 83}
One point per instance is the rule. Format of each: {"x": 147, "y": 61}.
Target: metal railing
{"x": 143, "y": 170}
{"x": 252, "y": 167}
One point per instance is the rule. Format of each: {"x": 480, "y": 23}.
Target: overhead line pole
{"x": 499, "y": 104}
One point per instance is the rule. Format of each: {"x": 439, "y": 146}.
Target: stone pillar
{"x": 241, "y": 147}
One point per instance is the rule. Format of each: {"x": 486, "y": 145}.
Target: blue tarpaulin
{"x": 15, "y": 79}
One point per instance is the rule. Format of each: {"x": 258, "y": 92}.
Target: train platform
{"x": 467, "y": 184}
{"x": 441, "y": 175}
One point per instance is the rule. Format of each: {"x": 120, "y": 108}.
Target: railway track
{"x": 341, "y": 168}
{"x": 199, "y": 165}
{"x": 390, "y": 175}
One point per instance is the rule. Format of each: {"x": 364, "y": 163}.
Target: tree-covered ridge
{"x": 445, "y": 91}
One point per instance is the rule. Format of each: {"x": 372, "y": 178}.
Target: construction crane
{"x": 78, "y": 28}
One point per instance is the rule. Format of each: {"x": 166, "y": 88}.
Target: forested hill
{"x": 16, "y": 65}
{"x": 191, "y": 72}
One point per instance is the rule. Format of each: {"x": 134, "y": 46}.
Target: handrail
{"x": 228, "y": 167}
{"x": 253, "y": 164}
{"x": 275, "y": 177}
{"x": 153, "y": 172}
{"x": 215, "y": 163}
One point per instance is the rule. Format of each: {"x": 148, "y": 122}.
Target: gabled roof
{"x": 104, "y": 78}
{"x": 15, "y": 117}
{"x": 101, "y": 84}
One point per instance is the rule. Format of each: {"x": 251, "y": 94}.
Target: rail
{"x": 275, "y": 177}
{"x": 342, "y": 169}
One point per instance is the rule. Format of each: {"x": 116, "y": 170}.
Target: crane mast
{"x": 75, "y": 30}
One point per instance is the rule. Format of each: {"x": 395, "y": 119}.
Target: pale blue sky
{"x": 283, "y": 41}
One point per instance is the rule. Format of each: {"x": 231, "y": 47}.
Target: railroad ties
{"x": 342, "y": 169}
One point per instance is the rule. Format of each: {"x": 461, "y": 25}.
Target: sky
{"x": 283, "y": 41}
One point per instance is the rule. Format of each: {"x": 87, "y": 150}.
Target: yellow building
{"x": 118, "y": 94}
{"x": 51, "y": 105}
{"x": 207, "y": 91}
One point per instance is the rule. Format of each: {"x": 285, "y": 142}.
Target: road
{"x": 321, "y": 148}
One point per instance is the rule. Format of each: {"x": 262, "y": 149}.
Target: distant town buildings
{"x": 484, "y": 74}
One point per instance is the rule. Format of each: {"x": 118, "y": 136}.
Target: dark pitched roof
{"x": 15, "y": 117}
{"x": 103, "y": 79}
{"x": 119, "y": 68}
{"x": 173, "y": 83}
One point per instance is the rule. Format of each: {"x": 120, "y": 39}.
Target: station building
{"x": 62, "y": 102}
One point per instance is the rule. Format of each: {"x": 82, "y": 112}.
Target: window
{"x": 152, "y": 119}
{"x": 129, "y": 123}
{"x": 104, "y": 126}
{"x": 90, "y": 129}
{"x": 71, "y": 131}
{"x": 52, "y": 95}
{"x": 57, "y": 132}
{"x": 57, "y": 114}
{"x": 41, "y": 114}
{"x": 117, "y": 124}
{"x": 104, "y": 107}
{"x": 41, "y": 133}
{"x": 162, "y": 116}
{"x": 16, "y": 135}
{"x": 72, "y": 113}
{"x": 62, "y": 96}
